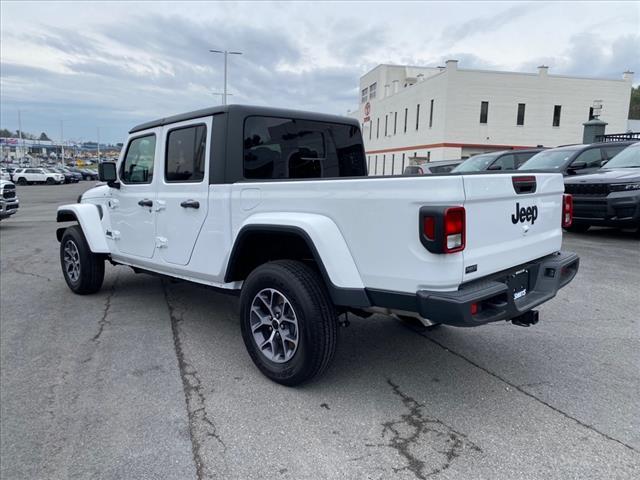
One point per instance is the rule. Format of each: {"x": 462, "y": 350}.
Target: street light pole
{"x": 62, "y": 141}
{"x": 226, "y": 55}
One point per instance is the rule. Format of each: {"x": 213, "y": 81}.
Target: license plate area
{"x": 518, "y": 284}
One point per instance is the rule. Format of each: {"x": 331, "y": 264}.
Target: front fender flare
{"x": 88, "y": 216}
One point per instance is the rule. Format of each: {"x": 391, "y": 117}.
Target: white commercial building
{"x": 448, "y": 112}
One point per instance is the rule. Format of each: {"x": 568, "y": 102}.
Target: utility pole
{"x": 226, "y": 55}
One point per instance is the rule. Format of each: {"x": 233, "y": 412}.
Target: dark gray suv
{"x": 609, "y": 197}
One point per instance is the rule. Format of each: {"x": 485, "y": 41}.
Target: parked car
{"x": 24, "y": 176}
{"x": 69, "y": 176}
{"x": 428, "y": 168}
{"x": 90, "y": 174}
{"x": 5, "y": 174}
{"x": 8, "y": 199}
{"x": 575, "y": 159}
{"x": 497, "y": 161}
{"x": 302, "y": 239}
{"x": 611, "y": 196}
{"x": 86, "y": 174}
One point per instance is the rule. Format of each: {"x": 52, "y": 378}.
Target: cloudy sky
{"x": 112, "y": 65}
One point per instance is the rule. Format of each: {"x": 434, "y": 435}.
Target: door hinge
{"x": 113, "y": 234}
{"x": 161, "y": 242}
{"x": 160, "y": 205}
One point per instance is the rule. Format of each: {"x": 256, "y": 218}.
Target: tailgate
{"x": 510, "y": 222}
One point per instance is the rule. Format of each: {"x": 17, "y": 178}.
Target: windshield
{"x": 549, "y": 159}
{"x": 476, "y": 164}
{"x": 627, "y": 158}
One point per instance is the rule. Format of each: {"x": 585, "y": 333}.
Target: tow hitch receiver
{"x": 526, "y": 319}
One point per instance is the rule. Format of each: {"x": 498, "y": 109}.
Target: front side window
{"x": 505, "y": 162}
{"x": 592, "y": 158}
{"x": 185, "y": 156}
{"x": 137, "y": 166}
{"x": 281, "y": 148}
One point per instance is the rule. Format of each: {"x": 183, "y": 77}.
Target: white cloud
{"x": 115, "y": 64}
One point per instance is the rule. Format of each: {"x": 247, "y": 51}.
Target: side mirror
{"x": 603, "y": 163}
{"x": 578, "y": 165}
{"x": 107, "y": 173}
{"x": 495, "y": 167}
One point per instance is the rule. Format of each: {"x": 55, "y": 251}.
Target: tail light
{"x": 442, "y": 229}
{"x": 567, "y": 210}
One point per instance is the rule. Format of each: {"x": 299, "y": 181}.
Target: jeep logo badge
{"x": 524, "y": 214}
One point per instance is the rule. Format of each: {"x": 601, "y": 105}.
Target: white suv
{"x": 24, "y": 176}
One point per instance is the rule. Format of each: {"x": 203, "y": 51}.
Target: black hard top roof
{"x": 246, "y": 110}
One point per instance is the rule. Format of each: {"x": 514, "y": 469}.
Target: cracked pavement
{"x": 150, "y": 379}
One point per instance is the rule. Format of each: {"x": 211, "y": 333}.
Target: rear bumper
{"x": 493, "y": 297}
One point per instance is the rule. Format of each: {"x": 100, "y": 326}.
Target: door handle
{"x": 190, "y": 204}
{"x": 145, "y": 203}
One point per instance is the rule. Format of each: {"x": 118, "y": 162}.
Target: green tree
{"x": 634, "y": 106}
{"x": 43, "y": 136}
{"x": 4, "y": 133}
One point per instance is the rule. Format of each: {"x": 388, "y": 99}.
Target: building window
{"x": 364, "y": 95}
{"x": 591, "y": 117}
{"x": 386, "y": 124}
{"x": 378, "y": 127}
{"x": 484, "y": 112}
{"x": 406, "y": 113}
{"x": 393, "y": 163}
{"x": 402, "y": 171}
{"x": 395, "y": 122}
{"x": 370, "y": 129}
{"x": 417, "y": 116}
{"x": 372, "y": 91}
{"x": 556, "y": 115}
{"x": 428, "y": 155}
{"x": 520, "y": 119}
{"x": 431, "y": 114}
{"x": 384, "y": 161}
{"x": 375, "y": 167}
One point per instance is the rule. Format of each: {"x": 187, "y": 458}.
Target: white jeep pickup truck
{"x": 276, "y": 206}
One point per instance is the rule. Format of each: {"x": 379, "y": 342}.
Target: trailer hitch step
{"x": 526, "y": 319}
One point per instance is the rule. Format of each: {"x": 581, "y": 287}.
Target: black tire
{"x": 91, "y": 270}
{"x": 317, "y": 327}
{"x": 50, "y": 181}
{"x": 22, "y": 181}
{"x": 578, "y": 228}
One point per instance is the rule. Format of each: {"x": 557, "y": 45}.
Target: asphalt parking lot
{"x": 150, "y": 379}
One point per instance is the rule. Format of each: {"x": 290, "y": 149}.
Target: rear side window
{"x": 610, "y": 152}
{"x": 280, "y": 148}
{"x": 137, "y": 166}
{"x": 523, "y": 157}
{"x": 185, "y": 158}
